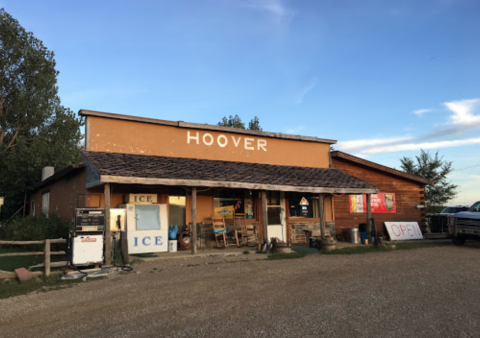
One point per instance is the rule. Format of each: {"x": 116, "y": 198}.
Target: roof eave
{"x": 227, "y": 184}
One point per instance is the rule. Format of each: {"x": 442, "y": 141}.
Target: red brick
{"x": 23, "y": 274}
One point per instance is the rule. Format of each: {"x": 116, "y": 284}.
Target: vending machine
{"x": 146, "y": 228}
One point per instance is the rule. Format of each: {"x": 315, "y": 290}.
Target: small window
{"x": 32, "y": 208}
{"x": 241, "y": 201}
{"x": 305, "y": 206}
{"x": 46, "y": 203}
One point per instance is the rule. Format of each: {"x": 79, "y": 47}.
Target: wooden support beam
{"x": 369, "y": 216}
{"x": 264, "y": 216}
{"x": 108, "y": 242}
{"x": 46, "y": 258}
{"x": 321, "y": 215}
{"x": 194, "y": 221}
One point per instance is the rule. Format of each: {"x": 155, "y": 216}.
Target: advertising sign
{"x": 226, "y": 211}
{"x": 380, "y": 203}
{"x": 401, "y": 231}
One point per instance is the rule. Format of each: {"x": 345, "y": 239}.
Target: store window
{"x": 303, "y": 205}
{"x": 239, "y": 201}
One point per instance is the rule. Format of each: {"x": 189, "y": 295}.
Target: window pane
{"x": 274, "y": 215}
{"x": 273, "y": 198}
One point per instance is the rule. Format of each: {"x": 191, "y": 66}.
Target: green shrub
{"x": 33, "y": 228}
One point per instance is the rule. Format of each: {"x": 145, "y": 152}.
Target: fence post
{"x": 47, "y": 258}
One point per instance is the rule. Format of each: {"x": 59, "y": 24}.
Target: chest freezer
{"x": 146, "y": 228}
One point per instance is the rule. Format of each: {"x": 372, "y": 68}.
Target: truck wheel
{"x": 458, "y": 241}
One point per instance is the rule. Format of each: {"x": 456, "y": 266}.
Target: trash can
{"x": 353, "y": 235}
{"x": 172, "y": 246}
{"x": 362, "y": 228}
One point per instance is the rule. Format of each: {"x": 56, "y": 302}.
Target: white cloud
{"x": 295, "y": 130}
{"x": 420, "y": 112}
{"x": 418, "y": 146}
{"x": 475, "y": 177}
{"x": 275, "y": 8}
{"x": 305, "y": 90}
{"x": 462, "y": 112}
{"x": 461, "y": 119}
{"x": 361, "y": 145}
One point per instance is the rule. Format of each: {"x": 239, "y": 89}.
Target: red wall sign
{"x": 380, "y": 203}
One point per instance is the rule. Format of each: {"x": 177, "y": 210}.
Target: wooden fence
{"x": 46, "y": 253}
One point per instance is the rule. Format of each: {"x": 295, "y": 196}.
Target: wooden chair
{"x": 220, "y": 231}
{"x": 251, "y": 235}
{"x": 240, "y": 228}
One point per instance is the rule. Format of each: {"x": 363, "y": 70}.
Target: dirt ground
{"x": 428, "y": 292}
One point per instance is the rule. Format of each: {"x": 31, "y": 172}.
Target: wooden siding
{"x": 408, "y": 194}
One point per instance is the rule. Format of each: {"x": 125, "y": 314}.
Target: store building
{"x": 284, "y": 183}
{"x": 401, "y": 197}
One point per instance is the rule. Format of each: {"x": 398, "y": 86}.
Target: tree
{"x": 35, "y": 129}
{"x": 236, "y": 122}
{"x": 436, "y": 169}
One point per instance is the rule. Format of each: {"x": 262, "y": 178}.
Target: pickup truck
{"x": 465, "y": 225}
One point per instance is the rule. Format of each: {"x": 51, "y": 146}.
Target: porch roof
{"x": 105, "y": 167}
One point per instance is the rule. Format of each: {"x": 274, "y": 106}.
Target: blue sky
{"x": 384, "y": 78}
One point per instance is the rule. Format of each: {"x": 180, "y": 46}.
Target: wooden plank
{"x": 194, "y": 221}
{"x": 264, "y": 216}
{"x": 32, "y": 253}
{"x": 46, "y": 258}
{"x": 22, "y": 242}
{"x": 228, "y": 184}
{"x": 52, "y": 265}
{"x": 321, "y": 213}
{"x": 108, "y": 243}
{"x": 12, "y": 275}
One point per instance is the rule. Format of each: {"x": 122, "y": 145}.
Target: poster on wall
{"x": 380, "y": 203}
{"x": 226, "y": 211}
{"x": 401, "y": 231}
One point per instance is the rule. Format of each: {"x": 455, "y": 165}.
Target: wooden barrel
{"x": 328, "y": 244}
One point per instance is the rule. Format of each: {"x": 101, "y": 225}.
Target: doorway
{"x": 176, "y": 211}
{"x": 276, "y": 215}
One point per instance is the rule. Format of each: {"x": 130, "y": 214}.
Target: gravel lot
{"x": 427, "y": 292}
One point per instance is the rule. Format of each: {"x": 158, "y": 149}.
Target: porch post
{"x": 369, "y": 216}
{"x": 264, "y": 216}
{"x": 321, "y": 215}
{"x": 108, "y": 237}
{"x": 194, "y": 221}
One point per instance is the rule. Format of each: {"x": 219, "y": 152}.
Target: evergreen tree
{"x": 436, "y": 169}
{"x": 236, "y": 122}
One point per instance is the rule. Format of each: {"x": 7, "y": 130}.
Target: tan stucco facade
{"x": 131, "y": 137}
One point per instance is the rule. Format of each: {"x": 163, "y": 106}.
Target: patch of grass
{"x": 292, "y": 255}
{"x": 15, "y": 262}
{"x": 305, "y": 250}
{"x": 246, "y": 252}
{"x": 189, "y": 265}
{"x": 12, "y": 287}
{"x": 362, "y": 249}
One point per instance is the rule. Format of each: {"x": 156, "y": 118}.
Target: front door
{"x": 276, "y": 215}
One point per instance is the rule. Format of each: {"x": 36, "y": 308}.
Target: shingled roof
{"x": 106, "y": 167}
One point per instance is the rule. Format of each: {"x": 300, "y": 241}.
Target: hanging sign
{"x": 401, "y": 231}
{"x": 303, "y": 201}
{"x": 226, "y": 212}
{"x": 380, "y": 203}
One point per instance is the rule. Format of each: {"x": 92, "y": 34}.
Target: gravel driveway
{"x": 429, "y": 292}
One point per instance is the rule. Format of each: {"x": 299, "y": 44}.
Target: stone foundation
{"x": 298, "y": 230}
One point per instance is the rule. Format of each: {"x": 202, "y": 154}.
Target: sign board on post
{"x": 402, "y": 231}
{"x": 141, "y": 198}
